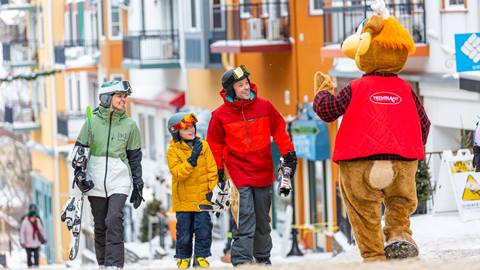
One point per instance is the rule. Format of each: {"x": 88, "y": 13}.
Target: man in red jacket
{"x": 239, "y": 135}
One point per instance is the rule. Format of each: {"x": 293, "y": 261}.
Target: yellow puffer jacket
{"x": 190, "y": 184}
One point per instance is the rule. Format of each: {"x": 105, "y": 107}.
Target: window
{"x": 151, "y": 138}
{"x": 193, "y": 19}
{"x": 40, "y": 27}
{"x": 115, "y": 21}
{"x": 101, "y": 30}
{"x": 315, "y": 7}
{"x": 74, "y": 93}
{"x": 141, "y": 123}
{"x": 455, "y": 4}
{"x": 217, "y": 16}
{"x": 43, "y": 91}
{"x": 40, "y": 94}
{"x": 68, "y": 25}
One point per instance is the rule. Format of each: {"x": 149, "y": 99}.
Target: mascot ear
{"x": 364, "y": 43}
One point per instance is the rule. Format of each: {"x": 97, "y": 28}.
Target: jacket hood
{"x": 239, "y": 103}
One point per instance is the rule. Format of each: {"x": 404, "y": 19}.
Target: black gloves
{"x": 476, "y": 158}
{"x": 136, "y": 197}
{"x": 196, "y": 150}
{"x": 290, "y": 161}
{"x": 80, "y": 179}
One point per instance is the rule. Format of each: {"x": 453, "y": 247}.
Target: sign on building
{"x": 467, "y": 48}
{"x": 458, "y": 187}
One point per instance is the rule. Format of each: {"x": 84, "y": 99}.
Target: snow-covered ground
{"x": 445, "y": 242}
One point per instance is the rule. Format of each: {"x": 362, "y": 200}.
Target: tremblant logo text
{"x": 386, "y": 98}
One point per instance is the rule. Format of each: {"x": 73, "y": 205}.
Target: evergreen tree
{"x": 151, "y": 209}
{"x": 422, "y": 179}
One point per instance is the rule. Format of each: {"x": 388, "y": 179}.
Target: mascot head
{"x": 381, "y": 43}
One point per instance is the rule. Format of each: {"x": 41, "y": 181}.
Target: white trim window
{"x": 40, "y": 94}
{"x": 217, "y": 15}
{"x": 74, "y": 93}
{"x": 455, "y": 4}
{"x": 315, "y": 7}
{"x": 40, "y": 27}
{"x": 146, "y": 123}
{"x": 100, "y": 25}
{"x": 115, "y": 21}
{"x": 193, "y": 15}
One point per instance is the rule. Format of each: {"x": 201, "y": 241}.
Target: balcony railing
{"x": 25, "y": 5}
{"x": 20, "y": 53}
{"x": 151, "y": 47}
{"x": 21, "y": 116}
{"x": 340, "y": 22}
{"x": 269, "y": 21}
{"x": 69, "y": 125}
{"x": 83, "y": 51}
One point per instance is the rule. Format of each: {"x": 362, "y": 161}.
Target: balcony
{"x": 340, "y": 22}
{"x": 21, "y": 5}
{"x": 21, "y": 117}
{"x": 69, "y": 125}
{"x": 20, "y": 53}
{"x": 151, "y": 49}
{"x": 262, "y": 27}
{"x": 77, "y": 53}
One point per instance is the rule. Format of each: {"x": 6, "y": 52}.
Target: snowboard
{"x": 233, "y": 204}
{"x": 73, "y": 209}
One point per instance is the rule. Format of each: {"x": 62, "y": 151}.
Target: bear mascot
{"x": 380, "y": 139}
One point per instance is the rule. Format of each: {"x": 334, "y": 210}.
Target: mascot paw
{"x": 381, "y": 174}
{"x": 324, "y": 82}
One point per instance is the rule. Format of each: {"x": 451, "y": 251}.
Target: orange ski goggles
{"x": 187, "y": 121}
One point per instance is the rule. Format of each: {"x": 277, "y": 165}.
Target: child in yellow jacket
{"x": 194, "y": 174}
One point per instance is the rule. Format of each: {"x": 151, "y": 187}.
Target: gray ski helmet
{"x": 231, "y": 76}
{"x": 180, "y": 120}
{"x": 108, "y": 89}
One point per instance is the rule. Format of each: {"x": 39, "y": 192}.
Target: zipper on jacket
{"x": 246, "y": 129}
{"x": 106, "y": 156}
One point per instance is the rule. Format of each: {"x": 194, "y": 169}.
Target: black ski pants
{"x": 108, "y": 227}
{"x": 252, "y": 239}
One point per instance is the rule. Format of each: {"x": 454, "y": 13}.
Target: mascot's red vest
{"x": 381, "y": 118}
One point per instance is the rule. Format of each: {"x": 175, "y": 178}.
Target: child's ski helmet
{"x": 179, "y": 121}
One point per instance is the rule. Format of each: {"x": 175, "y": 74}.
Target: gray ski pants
{"x": 252, "y": 238}
{"x": 108, "y": 227}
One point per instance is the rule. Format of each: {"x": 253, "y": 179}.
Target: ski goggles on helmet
{"x": 116, "y": 87}
{"x": 239, "y": 73}
{"x": 187, "y": 121}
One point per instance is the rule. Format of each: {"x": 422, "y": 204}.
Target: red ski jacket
{"x": 239, "y": 135}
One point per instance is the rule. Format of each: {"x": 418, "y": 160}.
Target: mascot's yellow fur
{"x": 382, "y": 45}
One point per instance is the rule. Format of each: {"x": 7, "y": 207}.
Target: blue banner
{"x": 467, "y": 48}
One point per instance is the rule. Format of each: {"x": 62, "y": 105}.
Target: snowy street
{"x": 439, "y": 237}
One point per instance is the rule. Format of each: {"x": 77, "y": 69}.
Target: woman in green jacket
{"x": 113, "y": 140}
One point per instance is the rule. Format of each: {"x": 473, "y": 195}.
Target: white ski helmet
{"x": 108, "y": 89}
